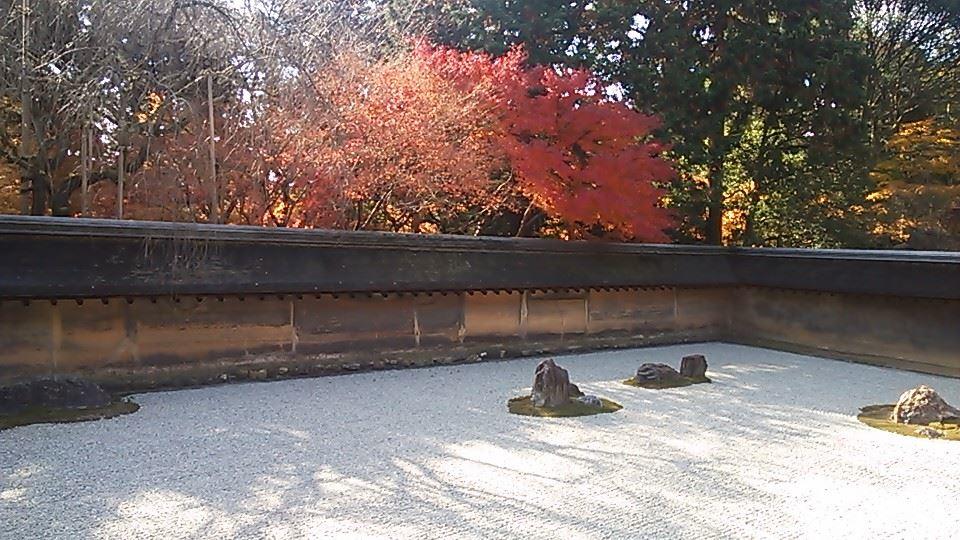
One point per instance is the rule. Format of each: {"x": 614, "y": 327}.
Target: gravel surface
{"x": 771, "y": 449}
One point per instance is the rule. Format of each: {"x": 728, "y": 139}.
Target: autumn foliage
{"x": 394, "y": 146}
{"x": 583, "y": 160}
{"x": 918, "y": 195}
{"x": 430, "y": 140}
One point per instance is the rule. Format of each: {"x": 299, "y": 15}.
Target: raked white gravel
{"x": 772, "y": 449}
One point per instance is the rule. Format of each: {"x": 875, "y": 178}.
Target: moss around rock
{"x": 880, "y": 417}
{"x": 524, "y": 406}
{"x": 44, "y": 415}
{"x": 677, "y": 382}
{"x": 57, "y": 399}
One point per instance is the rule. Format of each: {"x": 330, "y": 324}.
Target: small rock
{"x": 592, "y": 401}
{"x": 922, "y": 405}
{"x": 282, "y": 370}
{"x": 929, "y": 432}
{"x": 694, "y": 366}
{"x": 257, "y": 374}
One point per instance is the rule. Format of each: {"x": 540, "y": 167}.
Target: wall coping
{"x": 49, "y": 258}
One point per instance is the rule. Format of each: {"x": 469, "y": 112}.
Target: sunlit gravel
{"x": 772, "y": 449}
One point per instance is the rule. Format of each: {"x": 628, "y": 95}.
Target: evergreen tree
{"x": 759, "y": 100}
{"x": 548, "y": 30}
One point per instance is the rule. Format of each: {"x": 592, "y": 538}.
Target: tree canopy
{"x": 777, "y": 122}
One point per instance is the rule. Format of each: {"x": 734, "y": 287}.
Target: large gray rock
{"x": 694, "y": 367}
{"x": 551, "y": 385}
{"x": 52, "y": 393}
{"x": 660, "y": 373}
{"x": 922, "y": 405}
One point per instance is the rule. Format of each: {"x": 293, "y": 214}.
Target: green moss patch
{"x": 524, "y": 406}
{"x": 878, "y": 416}
{"x": 40, "y": 415}
{"x": 678, "y": 382}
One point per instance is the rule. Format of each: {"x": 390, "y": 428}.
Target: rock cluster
{"x": 922, "y": 405}
{"x": 929, "y": 432}
{"x": 693, "y": 369}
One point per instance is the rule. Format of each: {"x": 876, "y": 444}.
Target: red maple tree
{"x": 578, "y": 156}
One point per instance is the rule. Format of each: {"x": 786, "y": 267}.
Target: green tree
{"x": 549, "y": 30}
{"x": 759, "y": 100}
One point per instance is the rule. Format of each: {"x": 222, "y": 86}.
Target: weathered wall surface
{"x": 136, "y": 343}
{"x": 166, "y": 341}
{"x": 920, "y": 334}
{"x": 143, "y": 343}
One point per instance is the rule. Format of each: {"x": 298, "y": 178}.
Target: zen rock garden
{"x": 920, "y": 412}
{"x": 440, "y": 455}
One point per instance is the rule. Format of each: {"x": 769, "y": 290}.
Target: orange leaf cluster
{"x": 401, "y": 146}
{"x": 579, "y": 157}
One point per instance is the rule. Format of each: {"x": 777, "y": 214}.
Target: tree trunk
{"x": 714, "y": 232}
{"x": 85, "y": 140}
{"x": 26, "y": 99}
{"x": 39, "y": 193}
{"x": 121, "y": 168}
{"x": 214, "y": 192}
{"x": 31, "y": 200}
